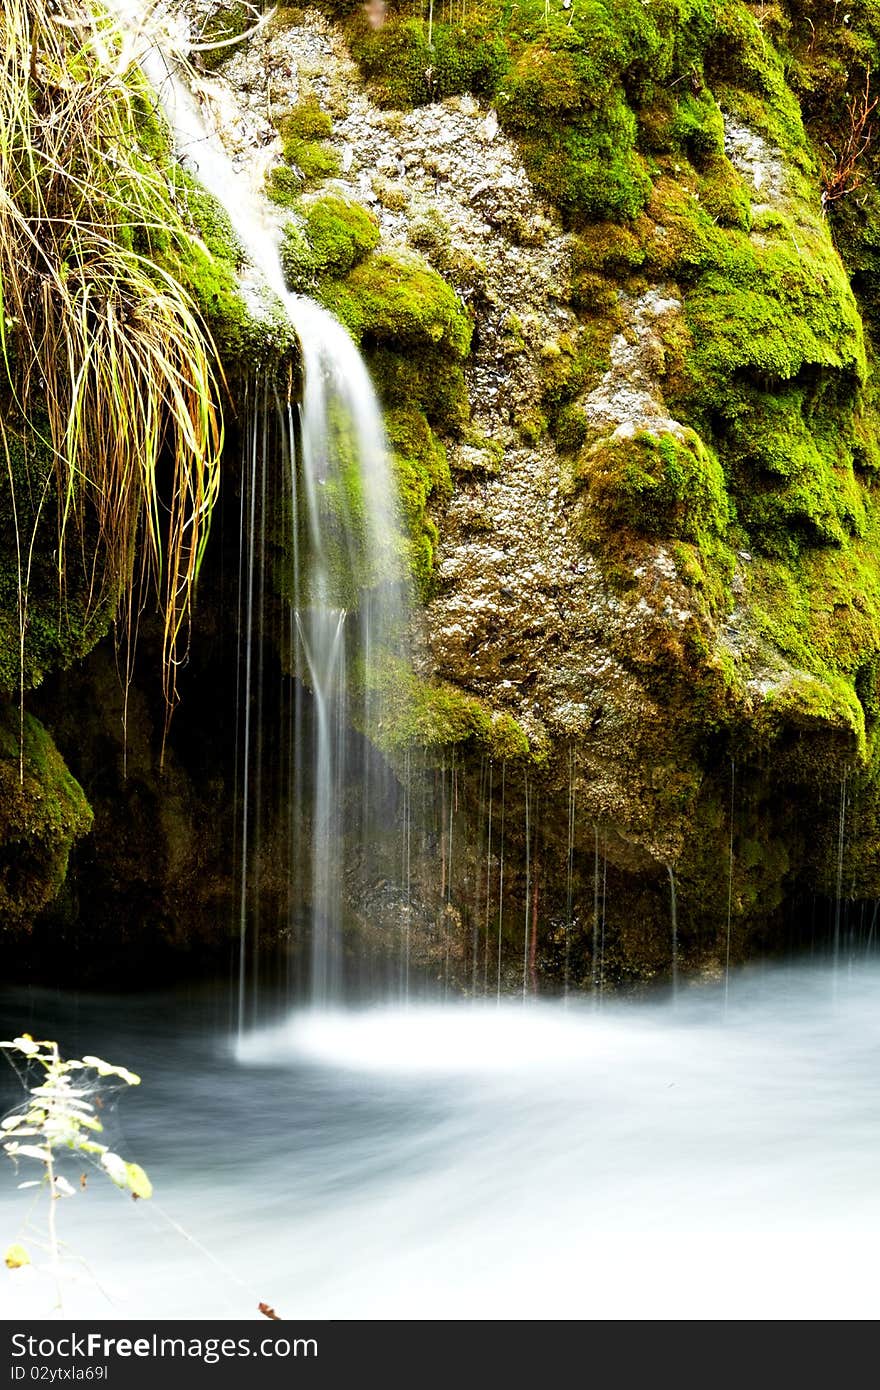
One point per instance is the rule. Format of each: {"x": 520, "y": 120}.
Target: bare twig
{"x": 848, "y": 172}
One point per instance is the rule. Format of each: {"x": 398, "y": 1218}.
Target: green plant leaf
{"x": 138, "y": 1181}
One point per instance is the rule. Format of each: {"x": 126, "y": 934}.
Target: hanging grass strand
{"x": 105, "y": 357}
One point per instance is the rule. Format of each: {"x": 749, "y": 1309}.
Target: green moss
{"x": 570, "y": 429}
{"x": 583, "y": 160}
{"x": 209, "y": 219}
{"x": 774, "y": 365}
{"x": 208, "y": 261}
{"x": 305, "y": 121}
{"x": 297, "y": 260}
{"x": 429, "y": 380}
{"x": 657, "y": 485}
{"x": 283, "y": 186}
{"x": 570, "y": 366}
{"x": 815, "y": 726}
{"x": 64, "y": 622}
{"x": 724, "y": 195}
{"x": 340, "y": 234}
{"x": 830, "y": 66}
{"x": 208, "y": 264}
{"x": 606, "y": 249}
{"x": 791, "y": 467}
{"x": 313, "y": 161}
{"x": 532, "y": 426}
{"x": 698, "y": 127}
{"x": 286, "y": 16}
{"x": 747, "y": 74}
{"x": 41, "y": 813}
{"x": 422, "y": 473}
{"x": 304, "y": 130}
{"x": 333, "y": 237}
{"x": 571, "y": 85}
{"x": 416, "y": 334}
{"x": 773, "y": 310}
{"x": 388, "y": 299}
{"x": 404, "y": 70}
{"x": 439, "y": 716}
{"x": 225, "y": 22}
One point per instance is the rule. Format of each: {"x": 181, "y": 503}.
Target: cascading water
{"x": 340, "y": 426}
{"x": 347, "y": 596}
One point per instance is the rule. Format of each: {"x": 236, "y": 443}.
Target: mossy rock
{"x": 305, "y": 121}
{"x": 747, "y": 74}
{"x": 391, "y": 300}
{"x": 284, "y": 186}
{"x": 62, "y": 622}
{"x": 773, "y": 311}
{"x": 208, "y": 265}
{"x": 431, "y": 381}
{"x": 311, "y": 160}
{"x": 304, "y": 131}
{"x": 570, "y": 85}
{"x": 792, "y": 466}
{"x": 584, "y": 160}
{"x": 335, "y": 235}
{"x": 608, "y": 250}
{"x": 403, "y": 70}
{"x": 438, "y": 716}
{"x": 42, "y": 811}
{"x": 422, "y": 471}
{"x": 224, "y": 25}
{"x": 815, "y": 729}
{"x": 341, "y": 234}
{"x": 659, "y": 485}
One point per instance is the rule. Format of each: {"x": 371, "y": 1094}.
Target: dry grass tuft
{"x": 104, "y": 353}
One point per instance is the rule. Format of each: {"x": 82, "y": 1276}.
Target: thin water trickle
{"x": 501, "y": 881}
{"x": 569, "y": 881}
{"x": 244, "y": 711}
{"x": 604, "y": 916}
{"x": 729, "y": 885}
{"x": 594, "y": 964}
{"x": 488, "y": 881}
{"x": 841, "y": 842}
{"x": 528, "y": 902}
{"x": 673, "y": 915}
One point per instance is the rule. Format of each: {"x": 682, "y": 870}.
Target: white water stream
{"x": 641, "y": 1161}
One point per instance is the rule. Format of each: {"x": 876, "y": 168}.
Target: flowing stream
{"x": 474, "y": 1161}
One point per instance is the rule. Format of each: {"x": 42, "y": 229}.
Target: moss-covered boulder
{"x": 403, "y": 304}
{"x": 333, "y": 236}
{"x": 657, "y": 485}
{"x": 43, "y": 810}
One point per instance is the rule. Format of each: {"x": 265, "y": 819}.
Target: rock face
{"x": 622, "y": 530}
{"x": 620, "y": 313}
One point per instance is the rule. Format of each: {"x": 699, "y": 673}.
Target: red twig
{"x": 847, "y": 174}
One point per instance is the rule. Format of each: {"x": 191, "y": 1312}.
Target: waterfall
{"x": 346, "y": 594}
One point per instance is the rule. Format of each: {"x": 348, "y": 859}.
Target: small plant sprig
{"x": 849, "y": 171}
{"x": 58, "y": 1116}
